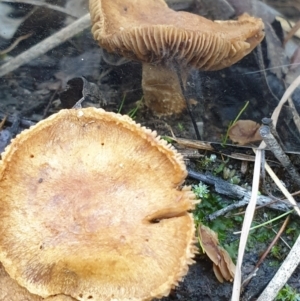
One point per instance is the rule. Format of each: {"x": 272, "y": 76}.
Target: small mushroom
{"x": 223, "y": 266}
{"x": 165, "y": 40}
{"x": 244, "y": 132}
{"x": 92, "y": 207}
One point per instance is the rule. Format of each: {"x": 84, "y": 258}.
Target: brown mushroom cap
{"x": 91, "y": 208}
{"x": 151, "y": 32}
{"x": 12, "y": 291}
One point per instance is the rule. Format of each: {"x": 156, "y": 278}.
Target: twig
{"x": 282, "y": 188}
{"x": 245, "y": 229}
{"x": 46, "y": 45}
{"x": 292, "y": 32}
{"x": 295, "y": 114}
{"x": 289, "y": 91}
{"x": 15, "y": 43}
{"x": 236, "y": 192}
{"x": 264, "y": 255}
{"x": 42, "y": 4}
{"x": 262, "y": 201}
{"x": 2, "y": 122}
{"x": 278, "y": 152}
{"x": 283, "y": 274}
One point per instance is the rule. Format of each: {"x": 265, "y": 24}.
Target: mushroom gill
{"x": 165, "y": 41}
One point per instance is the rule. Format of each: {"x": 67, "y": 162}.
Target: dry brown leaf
{"x": 244, "y": 132}
{"x": 223, "y": 266}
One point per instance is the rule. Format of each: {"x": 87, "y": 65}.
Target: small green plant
{"x": 218, "y": 169}
{"x": 201, "y": 191}
{"x": 287, "y": 293}
{"x": 168, "y": 139}
{"x": 180, "y": 126}
{"x": 122, "y": 103}
{"x": 206, "y": 162}
{"x": 132, "y": 112}
{"x": 210, "y": 203}
{"x": 229, "y": 174}
{"x": 231, "y": 123}
{"x": 276, "y": 252}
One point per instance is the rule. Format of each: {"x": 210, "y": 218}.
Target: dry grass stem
{"x": 246, "y": 226}
{"x": 282, "y": 188}
{"x": 275, "y": 147}
{"x": 15, "y": 43}
{"x": 267, "y": 251}
{"x": 289, "y": 91}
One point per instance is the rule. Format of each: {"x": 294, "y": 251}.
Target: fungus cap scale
{"x": 92, "y": 207}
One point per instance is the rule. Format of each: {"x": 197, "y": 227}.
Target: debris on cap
{"x": 93, "y": 208}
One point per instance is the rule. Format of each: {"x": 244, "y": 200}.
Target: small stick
{"x": 262, "y": 201}
{"x": 277, "y": 150}
{"x": 267, "y": 251}
{"x": 283, "y": 274}
{"x": 234, "y": 191}
{"x": 15, "y": 43}
{"x": 46, "y": 45}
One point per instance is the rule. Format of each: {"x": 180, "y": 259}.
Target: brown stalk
{"x": 267, "y": 251}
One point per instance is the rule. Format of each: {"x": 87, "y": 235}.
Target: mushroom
{"x": 92, "y": 207}
{"x": 12, "y": 291}
{"x": 169, "y": 42}
{"x": 244, "y": 132}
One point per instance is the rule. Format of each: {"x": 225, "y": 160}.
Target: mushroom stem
{"x": 162, "y": 90}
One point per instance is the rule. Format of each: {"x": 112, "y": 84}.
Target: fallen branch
{"x": 46, "y": 45}
{"x": 278, "y": 152}
{"x": 235, "y": 192}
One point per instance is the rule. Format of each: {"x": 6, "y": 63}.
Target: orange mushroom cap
{"x": 12, "y": 291}
{"x": 91, "y": 207}
{"x": 151, "y": 32}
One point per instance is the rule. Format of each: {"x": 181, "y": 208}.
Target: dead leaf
{"x": 223, "y": 266}
{"x": 244, "y": 132}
